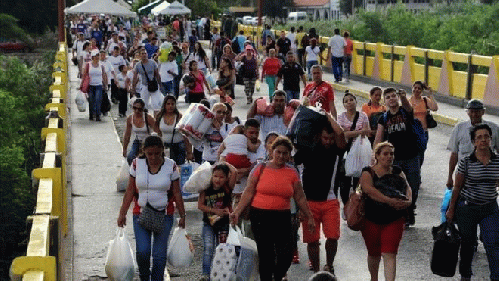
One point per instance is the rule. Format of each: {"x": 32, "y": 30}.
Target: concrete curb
{"x": 451, "y": 121}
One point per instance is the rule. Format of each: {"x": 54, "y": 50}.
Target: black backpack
{"x": 235, "y": 46}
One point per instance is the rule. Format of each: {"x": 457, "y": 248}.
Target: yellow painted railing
{"x": 406, "y": 64}
{"x": 50, "y": 219}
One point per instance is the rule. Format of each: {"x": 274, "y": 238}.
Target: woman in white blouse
{"x": 312, "y": 54}
{"x": 152, "y": 176}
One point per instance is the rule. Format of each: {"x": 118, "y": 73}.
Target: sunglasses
{"x": 137, "y": 108}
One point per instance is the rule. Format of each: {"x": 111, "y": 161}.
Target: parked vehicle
{"x": 15, "y": 46}
{"x": 297, "y": 16}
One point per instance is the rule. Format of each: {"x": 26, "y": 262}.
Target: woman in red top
{"x": 348, "y": 54}
{"x": 270, "y": 67}
{"x": 196, "y": 94}
{"x": 269, "y": 191}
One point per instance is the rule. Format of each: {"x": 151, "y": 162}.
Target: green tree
{"x": 10, "y": 29}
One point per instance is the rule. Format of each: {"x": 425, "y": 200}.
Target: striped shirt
{"x": 480, "y": 181}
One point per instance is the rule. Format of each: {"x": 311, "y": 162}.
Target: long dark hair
{"x": 149, "y": 142}
{"x": 224, "y": 169}
{"x": 200, "y": 51}
{"x": 162, "y": 112}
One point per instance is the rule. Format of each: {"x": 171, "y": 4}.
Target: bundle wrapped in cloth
{"x": 196, "y": 121}
{"x": 266, "y": 109}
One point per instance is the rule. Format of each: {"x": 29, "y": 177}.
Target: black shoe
{"x": 91, "y": 118}
{"x": 97, "y": 118}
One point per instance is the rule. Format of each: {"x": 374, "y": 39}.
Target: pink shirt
{"x": 347, "y": 124}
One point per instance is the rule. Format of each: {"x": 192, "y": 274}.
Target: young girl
{"x": 235, "y": 148}
{"x": 215, "y": 203}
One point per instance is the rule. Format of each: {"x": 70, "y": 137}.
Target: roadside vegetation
{"x": 460, "y": 27}
{"x": 24, "y": 91}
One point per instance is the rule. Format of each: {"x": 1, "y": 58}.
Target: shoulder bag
{"x": 355, "y": 207}
{"x": 430, "y": 121}
{"x": 85, "y": 81}
{"x": 151, "y": 218}
{"x": 152, "y": 85}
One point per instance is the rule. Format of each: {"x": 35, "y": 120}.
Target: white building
{"x": 318, "y": 9}
{"x": 412, "y": 5}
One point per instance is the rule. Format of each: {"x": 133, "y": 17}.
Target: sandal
{"x": 329, "y": 269}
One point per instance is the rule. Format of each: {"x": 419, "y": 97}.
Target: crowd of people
{"x": 260, "y": 179}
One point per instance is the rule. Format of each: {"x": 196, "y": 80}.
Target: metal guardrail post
{"x": 365, "y": 59}
{"x": 426, "y": 67}
{"x": 469, "y": 84}
{"x": 392, "y": 63}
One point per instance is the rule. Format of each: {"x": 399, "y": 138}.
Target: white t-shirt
{"x": 164, "y": 67}
{"x": 95, "y": 74}
{"x": 227, "y": 128}
{"x": 254, "y": 158}
{"x": 269, "y": 124}
{"x": 121, "y": 80}
{"x": 153, "y": 188}
{"x": 116, "y": 62}
{"x": 236, "y": 144}
{"x": 292, "y": 37}
{"x": 109, "y": 70}
{"x": 78, "y": 46}
{"x": 312, "y": 54}
{"x": 337, "y": 45}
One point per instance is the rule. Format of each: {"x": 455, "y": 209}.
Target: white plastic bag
{"x": 81, "y": 102}
{"x": 223, "y": 267}
{"x": 186, "y": 171}
{"x": 247, "y": 264}
{"x": 180, "y": 251}
{"x": 235, "y": 235}
{"x": 200, "y": 179}
{"x": 358, "y": 157}
{"x": 211, "y": 81}
{"x": 120, "y": 265}
{"x": 123, "y": 176}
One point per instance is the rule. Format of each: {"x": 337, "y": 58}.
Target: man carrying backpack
{"x": 398, "y": 126}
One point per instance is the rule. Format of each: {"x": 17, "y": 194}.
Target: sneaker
{"x": 296, "y": 257}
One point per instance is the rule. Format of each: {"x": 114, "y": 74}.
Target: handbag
{"x": 355, "y": 207}
{"x": 354, "y": 210}
{"x": 85, "y": 81}
{"x": 245, "y": 213}
{"x": 430, "y": 121}
{"x": 152, "y": 85}
{"x": 445, "y": 249}
{"x": 151, "y": 218}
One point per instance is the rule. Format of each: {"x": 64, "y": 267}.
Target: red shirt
{"x": 322, "y": 93}
{"x": 349, "y": 47}
{"x": 271, "y": 66}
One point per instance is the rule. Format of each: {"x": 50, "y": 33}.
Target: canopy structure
{"x": 144, "y": 10}
{"x": 175, "y": 8}
{"x": 107, "y": 7}
{"x": 160, "y": 8}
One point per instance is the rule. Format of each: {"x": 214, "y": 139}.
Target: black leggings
{"x": 273, "y": 237}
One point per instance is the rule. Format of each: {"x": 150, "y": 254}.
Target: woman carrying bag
{"x": 474, "y": 202}
{"x": 152, "y": 176}
{"x": 270, "y": 188}
{"x": 97, "y": 84}
{"x": 387, "y": 197}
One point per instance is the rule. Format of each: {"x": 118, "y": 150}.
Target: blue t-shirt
{"x": 151, "y": 50}
{"x": 97, "y": 34}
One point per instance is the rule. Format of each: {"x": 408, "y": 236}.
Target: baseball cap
{"x": 475, "y": 104}
{"x": 94, "y": 53}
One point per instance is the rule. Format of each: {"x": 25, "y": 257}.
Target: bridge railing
{"x": 449, "y": 73}
{"x": 50, "y": 219}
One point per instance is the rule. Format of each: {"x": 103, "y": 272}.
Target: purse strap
{"x": 145, "y": 72}
{"x": 352, "y": 128}
{"x": 426, "y": 105}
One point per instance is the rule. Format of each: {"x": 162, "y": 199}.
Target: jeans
{"x": 348, "y": 61}
{"x": 94, "y": 100}
{"x": 309, "y": 66}
{"x": 270, "y": 80}
{"x": 133, "y": 151}
{"x": 209, "y": 245}
{"x": 337, "y": 64}
{"x": 273, "y": 237}
{"x": 177, "y": 152}
{"x": 290, "y": 94}
{"x": 159, "y": 247}
{"x": 421, "y": 153}
{"x": 167, "y": 88}
{"x": 468, "y": 217}
{"x": 412, "y": 171}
